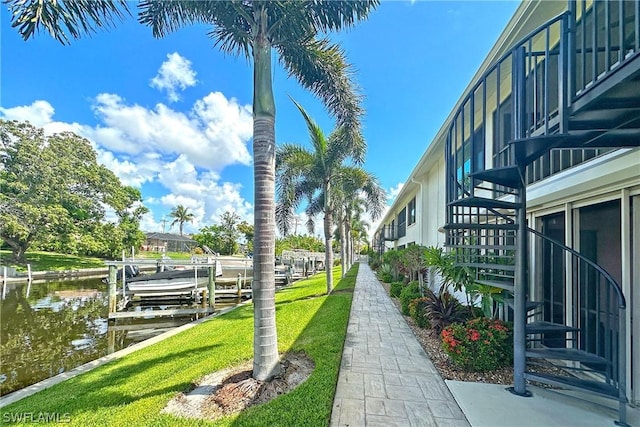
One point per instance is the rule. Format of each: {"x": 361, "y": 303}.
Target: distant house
{"x": 167, "y": 242}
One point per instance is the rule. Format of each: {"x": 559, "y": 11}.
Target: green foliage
{"x": 393, "y": 258}
{"x": 210, "y": 236}
{"x": 410, "y": 292}
{"x": 133, "y": 390}
{"x": 481, "y": 344}
{"x": 385, "y": 273}
{"x": 43, "y": 261}
{"x": 296, "y": 241}
{"x": 53, "y": 195}
{"x": 180, "y": 215}
{"x": 444, "y": 309}
{"x": 395, "y": 289}
{"x": 418, "y": 312}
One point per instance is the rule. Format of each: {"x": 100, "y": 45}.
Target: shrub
{"x": 418, "y": 312}
{"x": 396, "y": 289}
{"x": 444, "y": 309}
{"x": 478, "y": 345}
{"x": 408, "y": 294}
{"x": 386, "y": 273}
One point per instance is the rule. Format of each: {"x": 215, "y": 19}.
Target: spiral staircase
{"x": 567, "y": 92}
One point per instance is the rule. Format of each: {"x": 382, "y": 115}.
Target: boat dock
{"x": 200, "y": 290}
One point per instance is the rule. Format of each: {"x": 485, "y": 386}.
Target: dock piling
{"x": 211, "y": 286}
{"x": 113, "y": 271}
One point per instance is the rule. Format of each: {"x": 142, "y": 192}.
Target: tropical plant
{"x": 392, "y": 258}
{"x": 359, "y": 191}
{"x": 418, "y": 312}
{"x": 385, "y": 273}
{"x": 180, "y": 215}
{"x": 302, "y": 174}
{"x": 481, "y": 344}
{"x": 395, "y": 289}
{"x": 412, "y": 259}
{"x": 296, "y": 30}
{"x": 409, "y": 292}
{"x": 444, "y": 309}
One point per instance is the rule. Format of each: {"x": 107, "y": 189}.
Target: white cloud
{"x": 182, "y": 154}
{"x": 38, "y": 113}
{"x": 214, "y": 134}
{"x": 174, "y": 74}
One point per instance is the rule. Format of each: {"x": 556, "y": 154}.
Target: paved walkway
{"x": 386, "y": 378}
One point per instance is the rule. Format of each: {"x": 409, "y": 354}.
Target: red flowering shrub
{"x": 481, "y": 344}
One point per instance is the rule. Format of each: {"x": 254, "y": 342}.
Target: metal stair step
{"x": 507, "y": 176}
{"x": 528, "y": 305}
{"x": 566, "y": 354}
{"x": 542, "y": 327}
{"x": 483, "y": 202}
{"x": 502, "y": 284}
{"x": 476, "y": 226}
{"x": 596, "y": 387}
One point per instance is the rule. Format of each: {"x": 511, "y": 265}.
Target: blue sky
{"x": 172, "y": 116}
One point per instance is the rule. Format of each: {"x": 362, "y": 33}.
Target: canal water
{"x": 49, "y": 328}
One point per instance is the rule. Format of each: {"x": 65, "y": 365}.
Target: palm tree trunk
{"x": 265, "y": 340}
{"x": 343, "y": 247}
{"x": 328, "y": 238}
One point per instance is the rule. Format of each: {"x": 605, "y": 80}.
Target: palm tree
{"x": 308, "y": 175}
{"x": 322, "y": 179}
{"x": 295, "y": 30}
{"x": 180, "y": 215}
{"x": 358, "y": 191}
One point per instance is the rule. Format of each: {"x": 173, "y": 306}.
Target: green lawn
{"x": 133, "y": 390}
{"x": 43, "y": 261}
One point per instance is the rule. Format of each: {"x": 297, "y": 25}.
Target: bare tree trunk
{"x": 265, "y": 339}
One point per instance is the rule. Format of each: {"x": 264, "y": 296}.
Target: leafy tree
{"x": 296, "y": 241}
{"x": 54, "y": 193}
{"x": 248, "y": 231}
{"x": 308, "y": 175}
{"x": 180, "y": 215}
{"x": 296, "y": 30}
{"x": 230, "y": 233}
{"x": 212, "y": 237}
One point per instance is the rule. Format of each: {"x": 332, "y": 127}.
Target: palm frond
{"x": 322, "y": 68}
{"x": 318, "y": 139}
{"x": 65, "y": 19}
{"x": 334, "y": 15}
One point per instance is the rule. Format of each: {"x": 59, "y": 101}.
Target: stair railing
{"x": 600, "y": 314}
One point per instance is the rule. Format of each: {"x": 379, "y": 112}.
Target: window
{"x": 402, "y": 223}
{"x": 412, "y": 211}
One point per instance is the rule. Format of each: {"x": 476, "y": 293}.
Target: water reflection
{"x": 50, "y": 328}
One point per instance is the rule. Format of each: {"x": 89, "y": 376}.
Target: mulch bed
{"x": 430, "y": 342}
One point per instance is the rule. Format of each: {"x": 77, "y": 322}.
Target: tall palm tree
{"x": 180, "y": 215}
{"x": 295, "y": 30}
{"x": 359, "y": 191}
{"x": 302, "y": 174}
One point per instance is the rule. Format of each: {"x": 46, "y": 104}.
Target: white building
{"x": 546, "y": 136}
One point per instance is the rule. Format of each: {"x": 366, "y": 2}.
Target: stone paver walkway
{"x": 386, "y": 378}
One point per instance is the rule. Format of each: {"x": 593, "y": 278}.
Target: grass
{"x": 44, "y": 261}
{"x": 133, "y": 390}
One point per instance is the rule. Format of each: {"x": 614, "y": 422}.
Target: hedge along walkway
{"x": 133, "y": 390}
